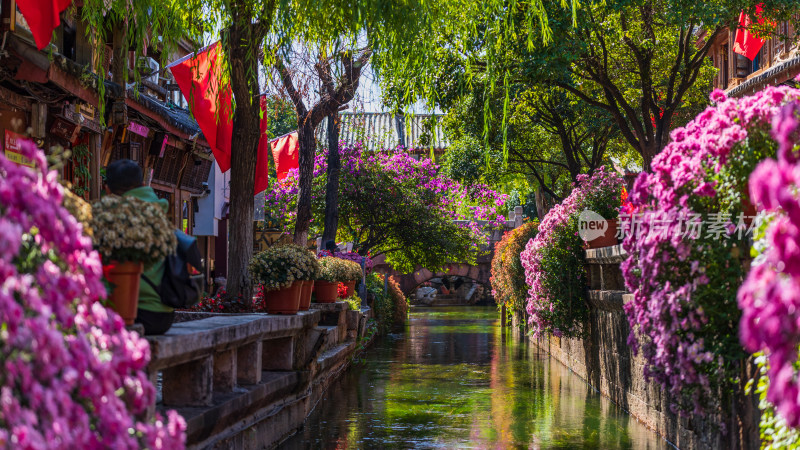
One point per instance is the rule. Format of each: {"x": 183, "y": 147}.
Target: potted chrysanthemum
{"x": 281, "y": 272}
{"x": 353, "y": 275}
{"x": 310, "y": 273}
{"x": 129, "y": 234}
{"x": 332, "y": 272}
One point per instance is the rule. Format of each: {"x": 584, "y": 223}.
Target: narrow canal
{"x": 456, "y": 379}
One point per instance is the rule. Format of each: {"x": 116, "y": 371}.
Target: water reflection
{"x": 456, "y": 379}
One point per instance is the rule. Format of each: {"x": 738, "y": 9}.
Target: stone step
{"x": 331, "y": 333}
{"x": 335, "y": 355}
{"x": 228, "y": 408}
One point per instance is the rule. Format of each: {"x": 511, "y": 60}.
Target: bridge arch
{"x": 408, "y": 282}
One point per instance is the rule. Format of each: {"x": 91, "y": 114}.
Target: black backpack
{"x": 178, "y": 289}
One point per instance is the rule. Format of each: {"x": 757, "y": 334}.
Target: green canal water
{"x": 456, "y": 379}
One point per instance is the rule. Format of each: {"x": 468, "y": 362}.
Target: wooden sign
{"x": 141, "y": 130}
{"x": 86, "y": 110}
{"x": 263, "y": 240}
{"x": 12, "y": 147}
{"x": 77, "y": 114}
{"x": 63, "y": 128}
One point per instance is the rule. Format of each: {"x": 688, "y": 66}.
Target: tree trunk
{"x": 243, "y": 160}
{"x": 332, "y": 186}
{"x": 308, "y": 146}
{"x": 649, "y": 151}
{"x": 542, "y": 206}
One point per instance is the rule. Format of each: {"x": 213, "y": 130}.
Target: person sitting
{"x": 124, "y": 177}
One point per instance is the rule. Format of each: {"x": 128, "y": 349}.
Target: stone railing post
{"x": 518, "y": 212}
{"x": 362, "y": 290}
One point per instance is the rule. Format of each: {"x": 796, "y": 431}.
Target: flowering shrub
{"x": 508, "y": 275}
{"x": 278, "y": 267}
{"x": 684, "y": 278}
{"x": 770, "y": 296}
{"x": 335, "y": 270}
{"x": 554, "y": 259}
{"x": 129, "y": 229}
{"x": 395, "y": 205}
{"x": 72, "y": 376}
{"x": 391, "y": 309}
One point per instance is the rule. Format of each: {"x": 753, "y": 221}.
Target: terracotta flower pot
{"x": 608, "y": 239}
{"x": 124, "y": 297}
{"x": 305, "y": 295}
{"x": 284, "y": 301}
{"x": 351, "y": 288}
{"x": 325, "y": 291}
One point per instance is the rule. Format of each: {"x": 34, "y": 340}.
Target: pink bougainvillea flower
{"x": 72, "y": 375}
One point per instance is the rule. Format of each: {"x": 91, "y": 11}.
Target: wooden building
{"x": 777, "y": 62}
{"x": 53, "y": 97}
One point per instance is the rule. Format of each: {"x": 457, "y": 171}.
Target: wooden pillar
{"x": 221, "y": 250}
{"x": 95, "y": 164}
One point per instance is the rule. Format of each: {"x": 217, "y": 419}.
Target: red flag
{"x": 42, "y": 17}
{"x": 262, "y": 163}
{"x": 199, "y": 81}
{"x": 746, "y": 44}
{"x": 285, "y": 152}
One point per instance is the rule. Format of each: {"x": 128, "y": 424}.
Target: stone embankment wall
{"x": 605, "y": 360}
{"x": 250, "y": 380}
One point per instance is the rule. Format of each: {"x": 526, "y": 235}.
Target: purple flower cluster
{"x": 770, "y": 296}
{"x": 72, "y": 376}
{"x": 667, "y": 269}
{"x": 558, "y": 228}
{"x": 460, "y": 202}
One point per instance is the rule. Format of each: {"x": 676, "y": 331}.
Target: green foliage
{"x": 386, "y": 214}
{"x": 639, "y": 60}
{"x": 82, "y": 174}
{"x": 281, "y": 116}
{"x": 137, "y": 23}
{"x": 353, "y": 302}
{"x": 465, "y": 161}
{"x": 636, "y": 64}
{"x": 549, "y": 137}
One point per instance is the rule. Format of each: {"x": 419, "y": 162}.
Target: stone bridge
{"x": 479, "y": 272}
